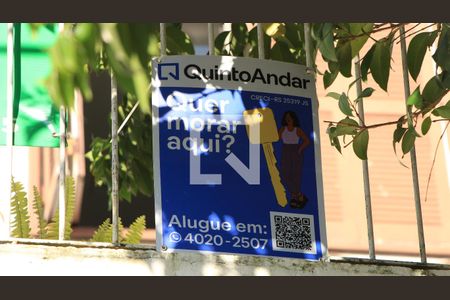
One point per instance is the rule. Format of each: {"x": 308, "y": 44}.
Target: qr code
{"x": 293, "y": 232}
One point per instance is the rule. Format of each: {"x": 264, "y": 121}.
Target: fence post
{"x": 62, "y": 174}
{"x": 260, "y": 31}
{"x": 315, "y": 110}
{"x": 309, "y": 63}
{"x": 365, "y": 166}
{"x": 62, "y": 165}
{"x": 5, "y": 208}
{"x": 415, "y": 176}
{"x": 211, "y": 38}
{"x": 162, "y": 33}
{"x": 114, "y": 162}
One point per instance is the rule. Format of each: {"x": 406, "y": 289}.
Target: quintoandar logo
{"x": 169, "y": 69}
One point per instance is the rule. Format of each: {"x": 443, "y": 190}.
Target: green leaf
{"x": 82, "y": 81}
{"x": 280, "y": 51}
{"x": 104, "y": 232}
{"x": 294, "y": 32}
{"x": 334, "y": 95}
{"x": 84, "y": 31}
{"x": 326, "y": 43}
{"x": 345, "y": 29}
{"x": 416, "y": 51}
{"x": 445, "y": 79}
{"x": 65, "y": 87}
{"x": 408, "y": 140}
{"x": 344, "y": 55}
{"x": 239, "y": 38}
{"x": 38, "y": 206}
{"x": 20, "y": 225}
{"x": 331, "y": 131}
{"x": 141, "y": 178}
{"x": 442, "y": 54}
{"x": 125, "y": 193}
{"x": 433, "y": 92}
{"x": 360, "y": 144}
{"x": 53, "y": 227}
{"x": 346, "y": 126}
{"x": 334, "y": 141}
{"x": 178, "y": 42}
{"x": 415, "y": 99}
{"x": 337, "y": 144}
{"x": 316, "y": 30}
{"x": 398, "y": 134}
{"x": 329, "y": 78}
{"x": 239, "y": 31}
{"x": 135, "y": 232}
{"x": 359, "y": 29}
{"x": 381, "y": 63}
{"x": 141, "y": 84}
{"x": 367, "y": 92}
{"x": 88, "y": 37}
{"x": 118, "y": 51}
{"x": 443, "y": 111}
{"x": 333, "y": 67}
{"x": 426, "y": 124}
{"x": 219, "y": 42}
{"x": 366, "y": 62}
{"x": 274, "y": 30}
{"x": 63, "y": 54}
{"x": 344, "y": 105}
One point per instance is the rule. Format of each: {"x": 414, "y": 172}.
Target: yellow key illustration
{"x": 268, "y": 134}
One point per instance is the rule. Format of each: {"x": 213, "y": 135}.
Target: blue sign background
{"x": 233, "y": 201}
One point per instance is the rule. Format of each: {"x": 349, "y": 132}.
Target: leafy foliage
{"x": 38, "y": 207}
{"x": 381, "y": 62}
{"x": 134, "y": 235}
{"x": 104, "y": 232}
{"x": 127, "y": 49}
{"x": 53, "y": 226}
{"x": 377, "y": 63}
{"x": 19, "y": 211}
{"x": 360, "y": 144}
{"x": 417, "y": 49}
{"x": 135, "y": 155}
{"x": 21, "y": 220}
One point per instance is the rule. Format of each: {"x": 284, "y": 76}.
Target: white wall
{"x": 74, "y": 259}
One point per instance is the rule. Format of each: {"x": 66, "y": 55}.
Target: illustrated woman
{"x": 294, "y": 142}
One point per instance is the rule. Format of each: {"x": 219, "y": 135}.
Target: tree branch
{"x": 439, "y": 120}
{"x": 406, "y": 36}
{"x": 391, "y": 26}
{"x": 357, "y": 114}
{"x": 412, "y": 28}
{"x": 434, "y": 159}
{"x": 367, "y": 126}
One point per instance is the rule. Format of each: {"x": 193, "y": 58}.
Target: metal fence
{"x": 211, "y": 35}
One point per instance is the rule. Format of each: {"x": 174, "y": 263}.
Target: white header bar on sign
{"x": 226, "y": 72}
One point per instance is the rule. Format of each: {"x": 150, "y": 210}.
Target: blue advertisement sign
{"x": 236, "y": 156}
